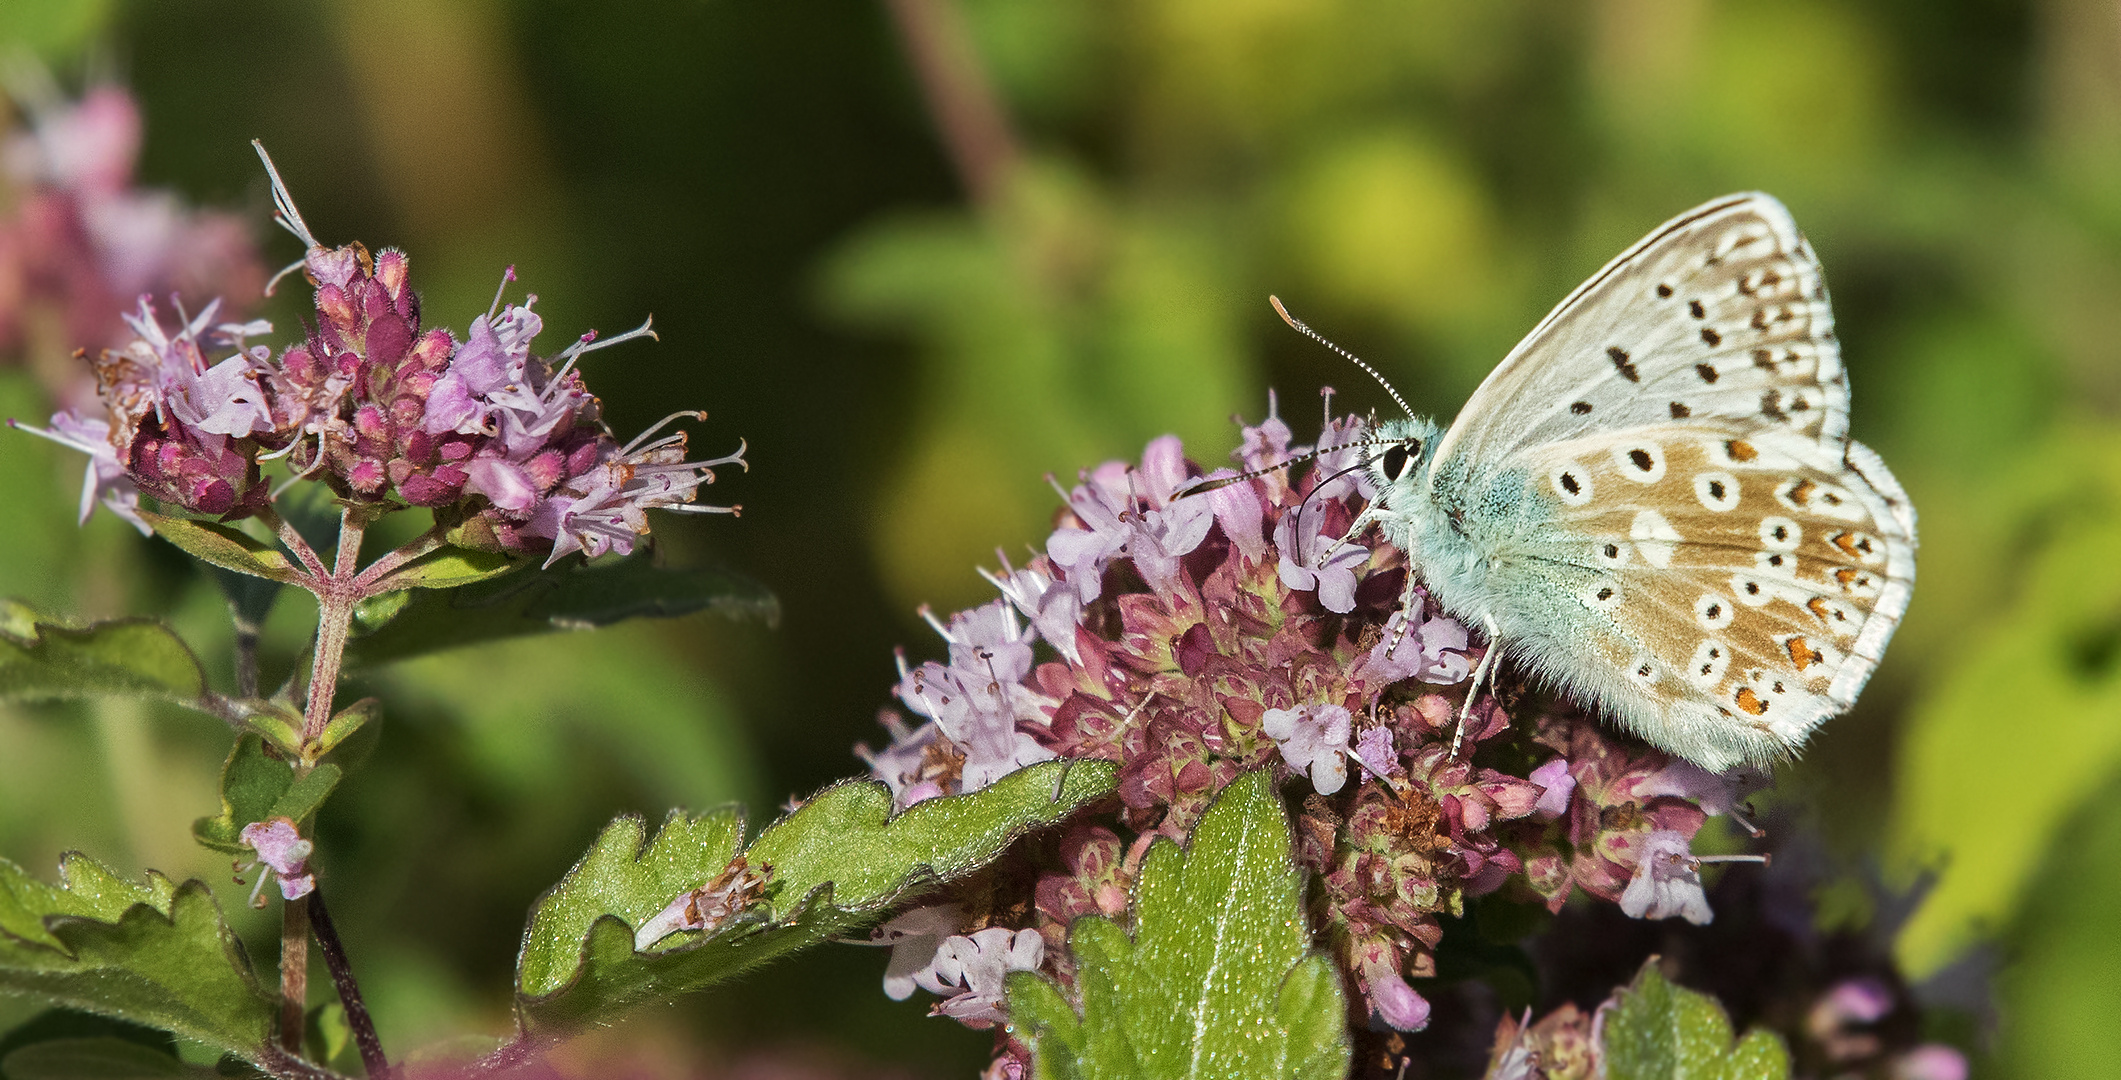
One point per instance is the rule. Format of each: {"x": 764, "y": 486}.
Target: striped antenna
{"x": 1203, "y": 485}
{"x": 1299, "y": 326}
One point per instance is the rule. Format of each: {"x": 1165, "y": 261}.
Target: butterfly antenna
{"x": 1299, "y": 326}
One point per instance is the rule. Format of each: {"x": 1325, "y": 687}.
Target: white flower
{"x": 1313, "y": 739}
{"x": 1667, "y": 881}
{"x": 916, "y": 938}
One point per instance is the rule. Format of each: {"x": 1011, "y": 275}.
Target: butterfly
{"x": 1653, "y": 503}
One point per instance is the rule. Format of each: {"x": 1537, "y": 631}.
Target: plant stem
{"x": 294, "y": 974}
{"x": 336, "y": 594}
{"x": 968, "y": 114}
{"x": 357, "y": 1018}
{"x": 291, "y": 539}
{"x": 381, "y": 568}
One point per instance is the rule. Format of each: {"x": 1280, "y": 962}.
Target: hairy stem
{"x": 336, "y": 596}
{"x": 357, "y": 1018}
{"x": 291, "y": 539}
{"x": 383, "y": 567}
{"x": 294, "y": 974}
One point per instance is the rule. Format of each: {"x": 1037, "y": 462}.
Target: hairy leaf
{"x": 224, "y": 546}
{"x": 1657, "y": 1031}
{"x": 42, "y": 659}
{"x": 838, "y": 861}
{"x": 155, "y": 953}
{"x": 1218, "y": 978}
{"x": 571, "y": 596}
{"x": 449, "y": 567}
{"x": 255, "y": 786}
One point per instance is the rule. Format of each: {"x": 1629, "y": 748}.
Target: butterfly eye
{"x": 1395, "y": 461}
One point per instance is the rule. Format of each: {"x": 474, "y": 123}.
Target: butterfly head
{"x": 1399, "y": 457}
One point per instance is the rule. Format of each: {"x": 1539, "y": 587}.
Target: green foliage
{"x": 52, "y": 27}
{"x": 838, "y": 861}
{"x": 570, "y": 596}
{"x": 96, "y": 1059}
{"x": 1657, "y": 1031}
{"x": 156, "y": 954}
{"x": 1218, "y": 978}
{"x": 2065, "y": 973}
{"x": 225, "y": 546}
{"x": 449, "y": 567}
{"x": 256, "y": 786}
{"x": 2059, "y": 639}
{"x": 41, "y": 659}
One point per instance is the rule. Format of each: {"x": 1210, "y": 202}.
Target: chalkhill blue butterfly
{"x": 1653, "y": 503}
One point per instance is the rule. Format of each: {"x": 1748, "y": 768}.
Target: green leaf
{"x": 836, "y": 862}
{"x": 449, "y": 567}
{"x": 41, "y": 659}
{"x": 155, "y": 953}
{"x": 224, "y": 546}
{"x": 346, "y": 721}
{"x": 1218, "y": 978}
{"x": 96, "y": 1059}
{"x": 571, "y": 596}
{"x": 1658, "y": 1031}
{"x": 277, "y": 722}
{"x": 256, "y": 786}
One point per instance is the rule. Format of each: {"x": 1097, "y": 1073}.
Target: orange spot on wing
{"x": 1740, "y": 450}
{"x": 1846, "y": 541}
{"x": 1846, "y": 575}
{"x": 1802, "y": 493}
{"x": 1818, "y": 606}
{"x": 1750, "y": 701}
{"x": 1802, "y": 654}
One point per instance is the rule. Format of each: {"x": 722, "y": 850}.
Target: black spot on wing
{"x": 1709, "y": 335}
{"x": 1706, "y": 371}
{"x": 1621, "y": 363}
{"x": 1581, "y": 408}
{"x": 1680, "y": 411}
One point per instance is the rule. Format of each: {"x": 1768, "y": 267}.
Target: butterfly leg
{"x": 1406, "y": 616}
{"x": 1480, "y": 675}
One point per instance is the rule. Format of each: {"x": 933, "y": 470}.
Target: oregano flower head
{"x": 1193, "y": 625}
{"x": 508, "y": 448}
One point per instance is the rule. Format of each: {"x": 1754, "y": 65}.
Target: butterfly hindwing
{"x": 1742, "y": 582}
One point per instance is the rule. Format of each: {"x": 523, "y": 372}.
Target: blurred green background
{"x": 922, "y": 252}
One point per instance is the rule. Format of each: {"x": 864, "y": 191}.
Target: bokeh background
{"x": 922, "y": 252}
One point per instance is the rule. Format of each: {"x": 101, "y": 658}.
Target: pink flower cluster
{"x": 506, "y": 447}
{"x": 1192, "y": 631}
{"x": 82, "y": 241}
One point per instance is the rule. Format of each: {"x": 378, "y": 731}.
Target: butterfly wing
{"x": 1659, "y": 490}
{"x": 1739, "y": 584}
{"x": 1719, "y": 314}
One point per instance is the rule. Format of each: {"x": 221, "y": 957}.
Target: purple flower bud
{"x": 1396, "y": 1002}
{"x": 1375, "y": 749}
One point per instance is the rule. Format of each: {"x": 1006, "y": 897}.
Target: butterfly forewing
{"x": 1719, "y": 314}
{"x": 1744, "y": 582}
